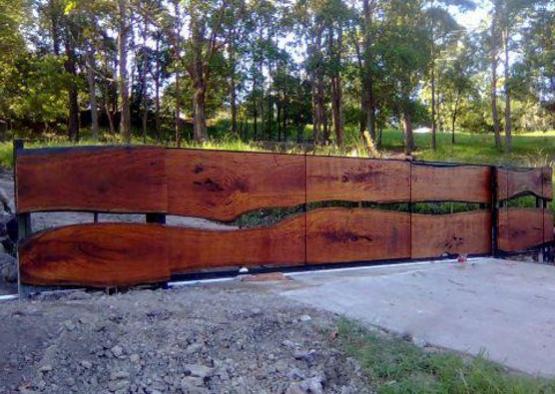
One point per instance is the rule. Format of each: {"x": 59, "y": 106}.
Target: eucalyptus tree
{"x": 537, "y": 67}
{"x": 205, "y": 26}
{"x": 442, "y": 27}
{"x": 403, "y": 49}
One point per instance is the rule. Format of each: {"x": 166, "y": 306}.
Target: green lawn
{"x": 529, "y": 149}
{"x": 395, "y": 365}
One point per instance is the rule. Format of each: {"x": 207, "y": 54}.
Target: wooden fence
{"x": 374, "y": 220}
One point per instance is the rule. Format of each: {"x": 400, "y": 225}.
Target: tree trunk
{"x": 125, "y": 121}
{"x": 70, "y": 68}
{"x": 433, "y": 84}
{"x": 157, "y": 91}
{"x": 177, "y": 60}
{"x": 407, "y": 128}
{"x": 367, "y": 102}
{"x": 337, "y": 109}
{"x": 337, "y": 90}
{"x": 199, "y": 82}
{"x": 233, "y": 88}
{"x": 434, "y": 143}
{"x": 454, "y": 118}
{"x": 494, "y": 114}
{"x": 144, "y": 78}
{"x": 92, "y": 91}
{"x": 508, "y": 123}
{"x": 199, "y": 105}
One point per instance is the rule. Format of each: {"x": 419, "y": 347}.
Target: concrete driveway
{"x": 503, "y": 308}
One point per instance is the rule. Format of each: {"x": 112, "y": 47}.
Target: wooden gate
{"x": 345, "y": 210}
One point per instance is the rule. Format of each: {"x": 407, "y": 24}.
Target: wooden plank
{"x": 195, "y": 250}
{"x": 96, "y": 255}
{"x": 350, "y": 179}
{"x": 222, "y": 185}
{"x": 547, "y": 183}
{"x": 520, "y": 228}
{"x": 450, "y": 183}
{"x": 346, "y": 235}
{"x": 548, "y": 229}
{"x": 512, "y": 183}
{"x": 115, "y": 179}
{"x": 464, "y": 232}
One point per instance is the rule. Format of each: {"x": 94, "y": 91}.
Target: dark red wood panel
{"x": 450, "y": 183}
{"x": 511, "y": 183}
{"x": 96, "y": 255}
{"x": 343, "y": 235}
{"x": 350, "y": 179}
{"x": 196, "y": 250}
{"x": 548, "y": 226}
{"x": 111, "y": 254}
{"x": 547, "y": 183}
{"x": 520, "y": 228}
{"x": 223, "y": 185}
{"x": 117, "y": 179}
{"x": 465, "y": 232}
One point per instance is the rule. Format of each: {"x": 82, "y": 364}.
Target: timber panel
{"x": 194, "y": 249}
{"x": 118, "y": 179}
{"x": 350, "y": 179}
{"x": 223, "y": 185}
{"x": 548, "y": 229}
{"x": 465, "y": 232}
{"x": 348, "y": 235}
{"x": 512, "y": 183}
{"x": 97, "y": 255}
{"x": 450, "y": 183}
{"x": 117, "y": 254}
{"x": 520, "y": 228}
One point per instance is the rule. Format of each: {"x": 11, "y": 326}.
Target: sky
{"x": 471, "y": 19}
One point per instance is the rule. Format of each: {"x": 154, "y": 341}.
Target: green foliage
{"x": 394, "y": 365}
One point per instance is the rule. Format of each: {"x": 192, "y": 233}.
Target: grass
{"x": 395, "y": 365}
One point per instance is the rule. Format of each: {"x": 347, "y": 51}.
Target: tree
{"x": 205, "y": 23}
{"x": 441, "y": 25}
{"x": 494, "y": 48}
{"x": 123, "y": 33}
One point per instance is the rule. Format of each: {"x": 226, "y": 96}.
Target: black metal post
{"x": 159, "y": 218}
{"x": 494, "y": 212}
{"x": 23, "y": 219}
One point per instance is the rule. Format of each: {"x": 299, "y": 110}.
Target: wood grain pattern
{"x": 520, "y": 228}
{"x": 223, "y": 185}
{"x": 547, "y": 183}
{"x": 511, "y": 183}
{"x": 111, "y": 254}
{"x": 548, "y": 229}
{"x": 350, "y": 179}
{"x": 465, "y": 232}
{"x": 344, "y": 235}
{"x": 96, "y": 255}
{"x": 450, "y": 183}
{"x": 116, "y": 179}
{"x": 195, "y": 250}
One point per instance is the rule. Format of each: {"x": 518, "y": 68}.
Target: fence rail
{"x": 221, "y": 185}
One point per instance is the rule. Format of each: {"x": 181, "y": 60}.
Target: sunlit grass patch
{"x": 395, "y": 365}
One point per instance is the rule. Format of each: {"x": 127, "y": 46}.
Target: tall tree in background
{"x": 123, "y": 32}
{"x": 205, "y": 23}
{"x": 494, "y": 53}
{"x": 405, "y": 56}
{"x": 441, "y": 25}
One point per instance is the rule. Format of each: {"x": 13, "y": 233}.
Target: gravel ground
{"x": 219, "y": 338}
